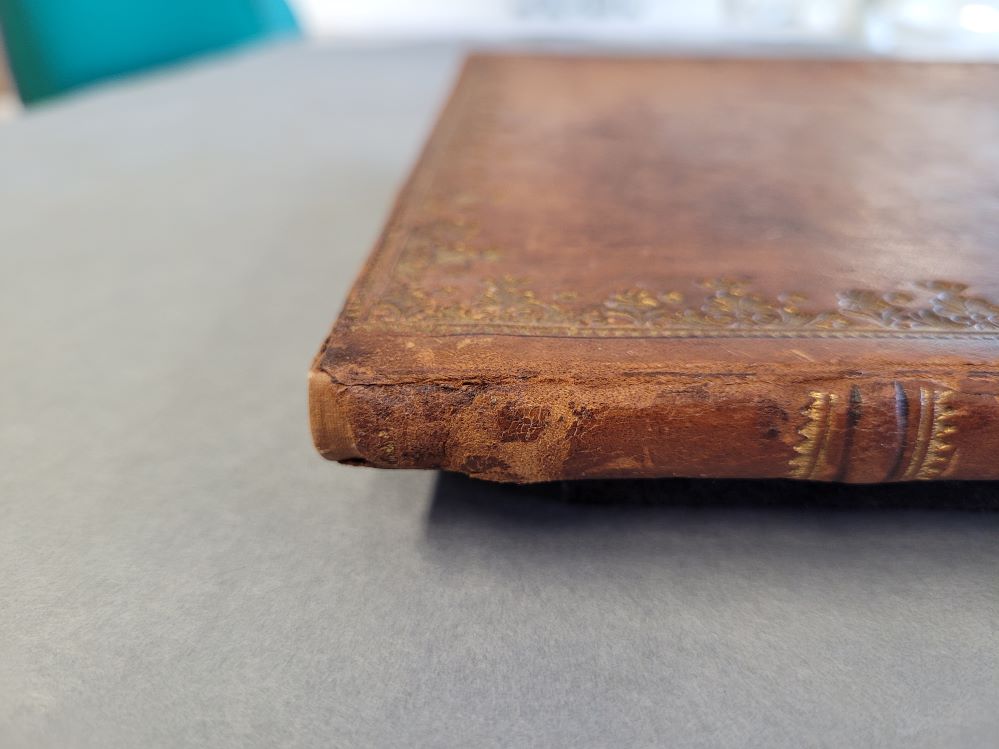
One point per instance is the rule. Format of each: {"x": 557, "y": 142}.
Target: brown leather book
{"x": 649, "y": 267}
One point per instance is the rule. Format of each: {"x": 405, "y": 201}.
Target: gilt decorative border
{"x": 726, "y": 307}
{"x": 432, "y": 231}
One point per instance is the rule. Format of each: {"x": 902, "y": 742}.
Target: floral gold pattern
{"x": 723, "y": 307}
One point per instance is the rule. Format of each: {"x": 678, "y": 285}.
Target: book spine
{"x": 857, "y": 428}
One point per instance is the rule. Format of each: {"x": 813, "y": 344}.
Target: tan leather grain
{"x": 643, "y": 267}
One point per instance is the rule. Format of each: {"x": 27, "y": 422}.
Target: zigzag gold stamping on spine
{"x": 933, "y": 452}
{"x": 811, "y": 462}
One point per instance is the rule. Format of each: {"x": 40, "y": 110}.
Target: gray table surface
{"x": 178, "y": 567}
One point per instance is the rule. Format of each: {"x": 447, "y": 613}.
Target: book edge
{"x": 332, "y": 434}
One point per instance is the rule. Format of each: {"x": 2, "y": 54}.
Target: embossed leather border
{"x": 395, "y": 301}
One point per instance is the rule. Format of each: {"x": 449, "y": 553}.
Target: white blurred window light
{"x": 927, "y": 28}
{"x": 934, "y": 28}
{"x": 650, "y": 19}
{"x": 980, "y": 18}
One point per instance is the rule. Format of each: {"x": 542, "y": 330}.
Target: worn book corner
{"x": 646, "y": 268}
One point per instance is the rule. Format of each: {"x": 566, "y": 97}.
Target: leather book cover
{"x": 636, "y": 267}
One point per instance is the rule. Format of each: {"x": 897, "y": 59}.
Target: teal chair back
{"x": 54, "y": 46}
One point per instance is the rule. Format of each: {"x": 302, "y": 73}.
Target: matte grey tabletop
{"x": 178, "y": 567}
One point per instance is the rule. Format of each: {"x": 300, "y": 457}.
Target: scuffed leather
{"x": 643, "y": 267}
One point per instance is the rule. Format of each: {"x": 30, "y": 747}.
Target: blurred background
{"x": 945, "y": 26}
{"x": 56, "y": 46}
